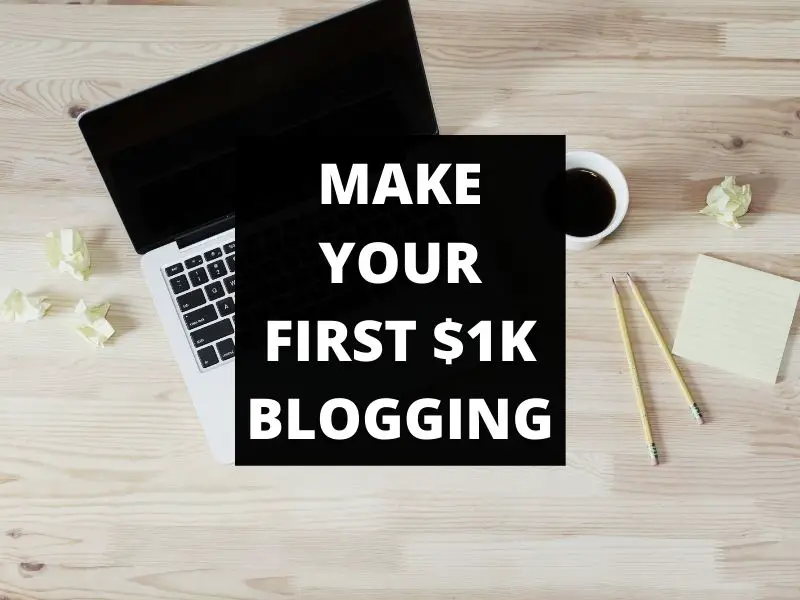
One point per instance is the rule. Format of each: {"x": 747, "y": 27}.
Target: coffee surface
{"x": 589, "y": 203}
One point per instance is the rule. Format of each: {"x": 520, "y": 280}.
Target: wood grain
{"x": 107, "y": 490}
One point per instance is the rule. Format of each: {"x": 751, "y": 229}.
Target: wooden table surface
{"x": 107, "y": 490}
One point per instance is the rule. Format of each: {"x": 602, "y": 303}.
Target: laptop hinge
{"x": 205, "y": 232}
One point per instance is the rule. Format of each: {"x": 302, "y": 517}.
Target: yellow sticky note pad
{"x": 736, "y": 319}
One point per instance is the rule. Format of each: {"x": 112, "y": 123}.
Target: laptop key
{"x": 226, "y": 306}
{"x": 198, "y": 276}
{"x": 230, "y": 247}
{"x": 217, "y": 269}
{"x": 226, "y": 348}
{"x": 195, "y": 261}
{"x": 212, "y": 254}
{"x": 230, "y": 284}
{"x": 201, "y": 316}
{"x": 211, "y": 333}
{"x": 179, "y": 284}
{"x": 214, "y": 290}
{"x": 208, "y": 357}
{"x": 174, "y": 270}
{"x": 191, "y": 300}
{"x": 231, "y": 260}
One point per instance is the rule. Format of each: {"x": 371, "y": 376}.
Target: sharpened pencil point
{"x": 628, "y": 275}
{"x": 653, "y": 454}
{"x": 697, "y": 414}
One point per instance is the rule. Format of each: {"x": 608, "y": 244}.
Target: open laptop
{"x": 168, "y": 155}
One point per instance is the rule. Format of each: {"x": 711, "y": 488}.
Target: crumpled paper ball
{"x": 727, "y": 201}
{"x": 92, "y": 324}
{"x": 19, "y": 308}
{"x": 66, "y": 251}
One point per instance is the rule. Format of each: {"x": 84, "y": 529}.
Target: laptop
{"x": 168, "y": 154}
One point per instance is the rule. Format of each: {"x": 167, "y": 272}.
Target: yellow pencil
{"x": 667, "y": 354}
{"x": 637, "y": 386}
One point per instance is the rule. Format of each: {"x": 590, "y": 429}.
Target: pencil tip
{"x": 697, "y": 414}
{"x": 653, "y": 455}
{"x": 628, "y": 275}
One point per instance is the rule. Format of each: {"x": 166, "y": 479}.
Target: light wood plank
{"x": 775, "y": 39}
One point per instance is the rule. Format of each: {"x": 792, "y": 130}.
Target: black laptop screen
{"x": 167, "y": 154}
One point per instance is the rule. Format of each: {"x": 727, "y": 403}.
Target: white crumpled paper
{"x": 92, "y": 324}
{"x": 67, "y": 252}
{"x": 19, "y": 308}
{"x": 727, "y": 201}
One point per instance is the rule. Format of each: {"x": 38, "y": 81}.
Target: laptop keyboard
{"x": 204, "y": 288}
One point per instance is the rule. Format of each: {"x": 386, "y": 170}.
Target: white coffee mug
{"x": 584, "y": 159}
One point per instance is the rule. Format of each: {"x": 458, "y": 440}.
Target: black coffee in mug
{"x": 590, "y": 203}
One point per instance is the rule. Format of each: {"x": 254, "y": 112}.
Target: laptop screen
{"x": 167, "y": 154}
